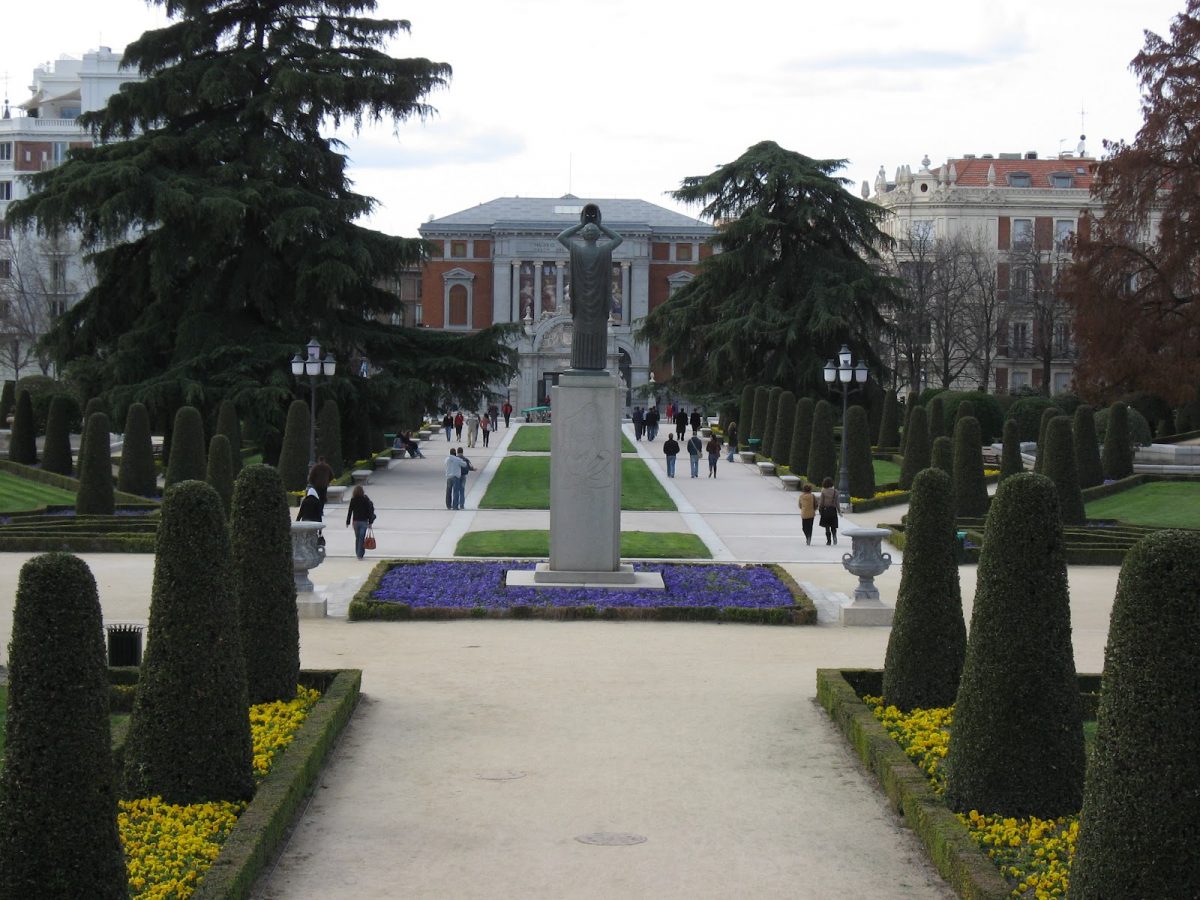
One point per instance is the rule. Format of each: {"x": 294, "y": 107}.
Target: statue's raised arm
{"x": 591, "y": 287}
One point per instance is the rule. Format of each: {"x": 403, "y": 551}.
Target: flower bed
{"x": 414, "y": 589}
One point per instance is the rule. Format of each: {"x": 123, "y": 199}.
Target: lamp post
{"x": 312, "y": 366}
{"x": 842, "y": 373}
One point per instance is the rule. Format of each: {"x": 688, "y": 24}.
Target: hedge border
{"x": 364, "y": 609}
{"x": 67, "y": 483}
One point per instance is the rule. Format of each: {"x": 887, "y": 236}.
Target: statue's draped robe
{"x": 591, "y": 300}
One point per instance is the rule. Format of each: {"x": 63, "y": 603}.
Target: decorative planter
{"x": 306, "y": 552}
{"x": 865, "y": 561}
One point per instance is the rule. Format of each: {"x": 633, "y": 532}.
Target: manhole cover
{"x": 611, "y": 838}
{"x": 500, "y": 775}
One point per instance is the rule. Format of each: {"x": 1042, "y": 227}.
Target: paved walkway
{"x": 483, "y": 749}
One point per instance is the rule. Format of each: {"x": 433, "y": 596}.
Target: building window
{"x": 1019, "y": 380}
{"x": 6, "y": 151}
{"x": 457, "y": 299}
{"x": 1019, "y": 283}
{"x": 5, "y": 269}
{"x": 458, "y": 249}
{"x": 5, "y": 230}
{"x": 1020, "y": 179}
{"x": 683, "y": 252}
{"x": 1063, "y": 230}
{"x": 1062, "y": 382}
{"x": 457, "y": 317}
{"x": 1062, "y": 180}
{"x": 69, "y": 112}
{"x": 5, "y": 190}
{"x": 1020, "y": 339}
{"x": 1022, "y": 232}
{"x": 57, "y": 267}
{"x": 1062, "y": 338}
{"x": 58, "y": 151}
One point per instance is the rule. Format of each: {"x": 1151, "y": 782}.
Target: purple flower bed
{"x": 470, "y": 585}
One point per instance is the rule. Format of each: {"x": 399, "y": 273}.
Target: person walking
{"x": 681, "y": 424}
{"x": 485, "y": 428}
{"x": 694, "y": 448}
{"x": 360, "y": 514}
{"x": 448, "y": 424}
{"x": 671, "y": 449}
{"x": 493, "y": 415}
{"x": 639, "y": 423}
{"x": 458, "y": 424}
{"x": 694, "y": 421}
{"x": 472, "y": 428}
{"x": 454, "y": 468}
{"x": 731, "y": 437}
{"x": 461, "y": 488}
{"x": 714, "y": 453}
{"x": 507, "y": 410}
{"x": 652, "y": 424}
{"x": 319, "y": 477}
{"x": 808, "y": 511}
{"x": 829, "y": 511}
{"x": 311, "y": 507}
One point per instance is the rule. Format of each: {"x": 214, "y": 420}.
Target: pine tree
{"x": 94, "y": 496}
{"x": 1011, "y": 462}
{"x": 859, "y": 462}
{"x": 137, "y": 474}
{"x": 970, "y": 488}
{"x": 801, "y": 436}
{"x": 293, "y": 459}
{"x": 188, "y": 460}
{"x": 917, "y": 451}
{"x": 22, "y": 440}
{"x": 329, "y": 436}
{"x": 229, "y": 425}
{"x": 56, "y": 451}
{"x": 220, "y": 470}
{"x": 822, "y": 455}
{"x": 889, "y": 430}
{"x": 781, "y": 448}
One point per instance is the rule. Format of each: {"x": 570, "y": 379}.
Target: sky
{"x": 626, "y": 99}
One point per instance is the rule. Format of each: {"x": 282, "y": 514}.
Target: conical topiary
{"x": 58, "y": 803}
{"x": 970, "y": 488}
{"x": 329, "y": 436}
{"x": 56, "y": 451}
{"x": 758, "y": 423}
{"x": 801, "y": 436}
{"x": 889, "y": 427}
{"x": 22, "y": 441}
{"x": 188, "y": 461}
{"x": 859, "y": 462}
{"x": 1087, "y": 447}
{"x": 220, "y": 470}
{"x": 785, "y": 424}
{"x": 935, "y": 417}
{"x": 8, "y": 400}
{"x": 1047, "y": 414}
{"x": 822, "y": 456}
{"x": 1140, "y": 803}
{"x": 229, "y": 425}
{"x": 137, "y": 474}
{"x": 1117, "y": 458}
{"x": 1060, "y": 468}
{"x": 293, "y": 458}
{"x": 189, "y": 735}
{"x": 910, "y": 403}
{"x": 1017, "y": 744}
{"x": 1011, "y": 462}
{"x": 928, "y": 641}
{"x": 768, "y": 443}
{"x": 966, "y": 410}
{"x": 94, "y": 497}
{"x": 95, "y": 405}
{"x": 745, "y": 411}
{"x": 942, "y": 455}
{"x": 916, "y": 448}
{"x": 260, "y": 534}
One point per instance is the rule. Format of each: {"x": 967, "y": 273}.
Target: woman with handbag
{"x": 361, "y": 513}
{"x": 829, "y": 510}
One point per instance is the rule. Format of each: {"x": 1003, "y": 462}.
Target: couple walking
{"x": 457, "y": 467}
{"x": 823, "y": 504}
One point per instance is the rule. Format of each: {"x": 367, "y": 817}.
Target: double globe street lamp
{"x": 314, "y": 367}
{"x": 841, "y": 375}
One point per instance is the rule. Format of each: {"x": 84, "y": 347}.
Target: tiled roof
{"x": 560, "y": 212}
{"x": 973, "y": 172}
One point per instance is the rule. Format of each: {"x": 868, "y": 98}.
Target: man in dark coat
{"x": 319, "y": 477}
{"x": 681, "y": 424}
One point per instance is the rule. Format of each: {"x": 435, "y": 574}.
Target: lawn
{"x": 536, "y": 542}
{"x": 886, "y": 471}
{"x": 536, "y": 439}
{"x": 20, "y": 494}
{"x": 3, "y": 717}
{"x": 1160, "y": 504}
{"x": 523, "y": 482}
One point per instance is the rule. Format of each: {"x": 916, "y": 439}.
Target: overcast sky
{"x": 615, "y": 98}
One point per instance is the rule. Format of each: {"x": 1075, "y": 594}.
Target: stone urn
{"x": 306, "y": 552}
{"x": 865, "y": 561}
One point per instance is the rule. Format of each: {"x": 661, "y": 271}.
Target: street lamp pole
{"x": 840, "y": 375}
{"x": 313, "y": 366}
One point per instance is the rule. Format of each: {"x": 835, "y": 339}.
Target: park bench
{"x": 361, "y": 476}
{"x": 790, "y": 482}
{"x": 991, "y": 458}
{"x": 766, "y": 468}
{"x": 747, "y": 456}
{"x": 335, "y": 493}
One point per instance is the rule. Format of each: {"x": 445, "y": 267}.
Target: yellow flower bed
{"x": 1033, "y": 854}
{"x": 169, "y": 847}
{"x": 882, "y": 495}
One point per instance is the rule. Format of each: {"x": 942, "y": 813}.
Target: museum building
{"x": 500, "y": 262}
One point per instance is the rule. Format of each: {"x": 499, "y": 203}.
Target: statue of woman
{"x": 591, "y": 287}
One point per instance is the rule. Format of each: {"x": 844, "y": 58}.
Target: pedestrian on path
{"x": 361, "y": 513}
{"x": 694, "y": 448}
{"x": 731, "y": 436}
{"x": 472, "y": 428}
{"x": 461, "y": 489}
{"x": 493, "y": 416}
{"x": 829, "y": 511}
{"x": 681, "y": 424}
{"x": 652, "y": 424}
{"x": 639, "y": 423}
{"x": 671, "y": 449}
{"x": 311, "y": 507}
{"x": 714, "y": 453}
{"x": 695, "y": 421}
{"x": 507, "y": 412}
{"x": 808, "y": 511}
{"x": 454, "y": 468}
{"x": 485, "y": 427}
{"x": 448, "y": 424}
{"x": 458, "y": 424}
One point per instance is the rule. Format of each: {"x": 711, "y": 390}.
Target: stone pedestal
{"x": 307, "y": 554}
{"x": 866, "y": 560}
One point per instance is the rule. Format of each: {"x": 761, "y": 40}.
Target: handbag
{"x": 369, "y": 540}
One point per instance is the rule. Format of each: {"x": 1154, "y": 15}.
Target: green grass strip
{"x": 536, "y": 439}
{"x": 536, "y": 542}
{"x": 1162, "y": 504}
{"x": 523, "y": 482}
{"x": 20, "y": 494}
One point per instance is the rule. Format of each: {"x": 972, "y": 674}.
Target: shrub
{"x": 187, "y": 462}
{"x": 909, "y": 405}
{"x": 22, "y": 440}
{"x": 1048, "y": 415}
{"x": 1011, "y": 462}
{"x": 859, "y": 462}
{"x": 745, "y": 411}
{"x": 189, "y": 734}
{"x": 983, "y": 406}
{"x": 293, "y": 458}
{"x": 1027, "y": 412}
{"x": 970, "y": 488}
{"x": 58, "y": 803}
{"x": 95, "y": 405}
{"x": 1139, "y": 428}
{"x": 889, "y": 429}
{"x": 220, "y": 470}
{"x": 329, "y": 436}
{"x": 1087, "y": 448}
{"x": 1150, "y": 407}
{"x": 1060, "y": 468}
{"x": 56, "y": 452}
{"x": 1184, "y": 421}
{"x": 1017, "y": 744}
{"x": 42, "y": 389}
{"x": 942, "y": 454}
{"x": 8, "y": 400}
{"x": 964, "y": 410}
{"x": 801, "y": 436}
{"x": 822, "y": 457}
{"x": 917, "y": 450}
{"x": 928, "y": 641}
{"x": 1140, "y": 805}
{"x": 1117, "y": 458}
{"x": 781, "y": 443}
{"x": 1067, "y": 401}
{"x": 768, "y": 438}
{"x": 260, "y": 534}
{"x": 759, "y": 421}
{"x": 229, "y": 425}
{"x": 95, "y": 494}
{"x": 935, "y": 416}
{"x": 137, "y": 474}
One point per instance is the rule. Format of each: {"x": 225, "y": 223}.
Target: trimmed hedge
{"x": 942, "y": 455}
{"x": 329, "y": 436}
{"x": 137, "y": 474}
{"x": 260, "y": 535}
{"x": 22, "y": 440}
{"x": 229, "y": 425}
{"x": 935, "y": 417}
{"x": 1117, "y": 458}
{"x": 1027, "y": 413}
{"x": 220, "y": 471}
{"x": 758, "y": 423}
{"x": 189, "y": 735}
{"x": 772, "y": 420}
{"x": 785, "y": 425}
{"x": 859, "y": 462}
{"x": 983, "y": 406}
{"x": 1048, "y": 415}
{"x": 56, "y": 451}
{"x": 1140, "y": 805}
{"x": 8, "y": 400}
{"x": 1087, "y": 447}
{"x": 889, "y": 425}
{"x": 68, "y": 484}
{"x": 1060, "y": 468}
{"x": 1011, "y": 462}
{"x": 970, "y": 489}
{"x": 187, "y": 461}
{"x": 58, "y": 803}
{"x": 1139, "y": 428}
{"x": 745, "y": 409}
{"x": 801, "y": 436}
{"x": 822, "y": 456}
{"x": 1017, "y": 744}
{"x": 928, "y": 640}
{"x": 95, "y": 495}
{"x": 910, "y": 403}
{"x": 916, "y": 447}
{"x": 293, "y": 458}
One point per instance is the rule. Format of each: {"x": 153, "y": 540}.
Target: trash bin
{"x": 124, "y": 644}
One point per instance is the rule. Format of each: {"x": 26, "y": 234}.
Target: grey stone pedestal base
{"x": 311, "y": 605}
{"x": 624, "y": 578}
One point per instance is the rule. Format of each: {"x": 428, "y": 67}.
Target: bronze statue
{"x": 591, "y": 287}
